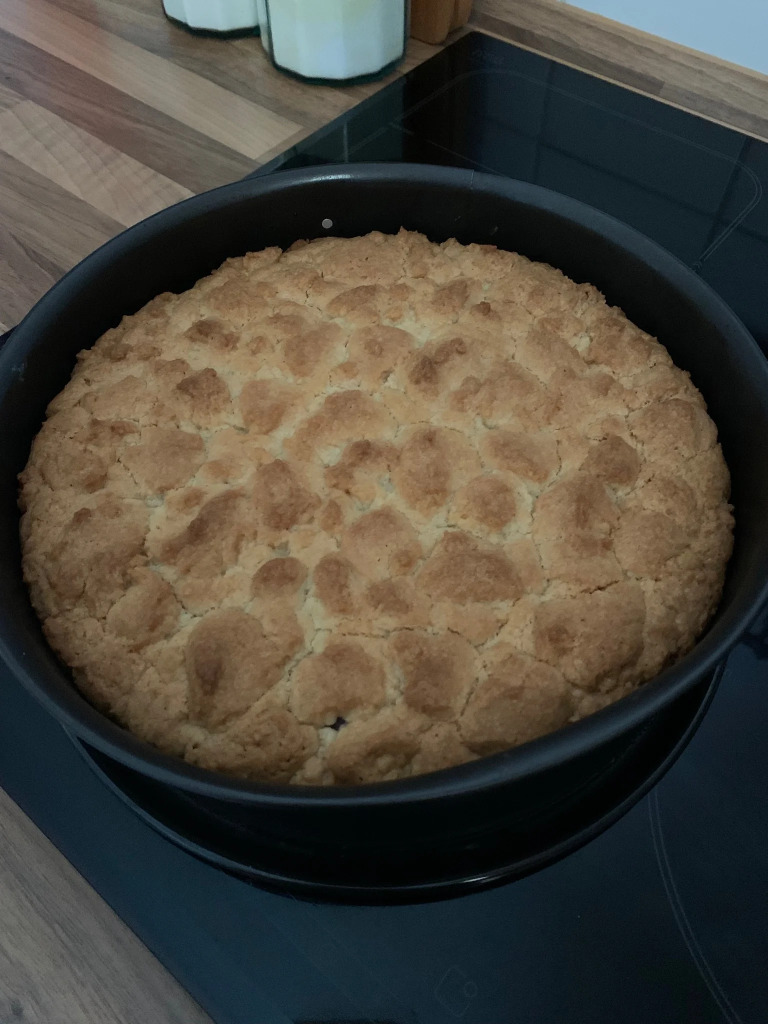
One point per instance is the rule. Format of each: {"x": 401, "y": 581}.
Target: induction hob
{"x": 661, "y": 920}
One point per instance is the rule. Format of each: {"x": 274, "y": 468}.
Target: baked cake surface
{"x": 371, "y": 507}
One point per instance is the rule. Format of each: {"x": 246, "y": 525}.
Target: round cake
{"x": 371, "y": 507}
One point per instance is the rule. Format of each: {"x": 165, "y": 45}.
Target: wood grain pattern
{"x": 138, "y": 129}
{"x": 90, "y": 169}
{"x": 107, "y": 112}
{"x": 722, "y": 92}
{"x": 238, "y": 65}
{"x": 244, "y": 126}
{"x": 25, "y": 275}
{"x": 26, "y": 200}
{"x": 65, "y": 957}
{"x": 8, "y": 98}
{"x": 110, "y": 102}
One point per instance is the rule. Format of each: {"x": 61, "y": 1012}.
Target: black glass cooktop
{"x": 661, "y": 920}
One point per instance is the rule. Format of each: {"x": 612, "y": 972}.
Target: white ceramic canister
{"x": 215, "y": 15}
{"x": 335, "y": 40}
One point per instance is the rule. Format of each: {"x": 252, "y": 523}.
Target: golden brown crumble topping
{"x": 371, "y": 507}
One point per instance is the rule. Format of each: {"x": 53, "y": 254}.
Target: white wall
{"x": 735, "y": 30}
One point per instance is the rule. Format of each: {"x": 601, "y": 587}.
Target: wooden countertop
{"x": 109, "y": 113}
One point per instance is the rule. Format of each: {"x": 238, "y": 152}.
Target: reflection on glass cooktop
{"x": 663, "y": 918}
{"x": 693, "y": 186}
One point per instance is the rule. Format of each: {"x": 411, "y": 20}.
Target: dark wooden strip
{"x": 47, "y": 219}
{"x": 25, "y": 275}
{"x": 8, "y": 98}
{"x": 149, "y": 136}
